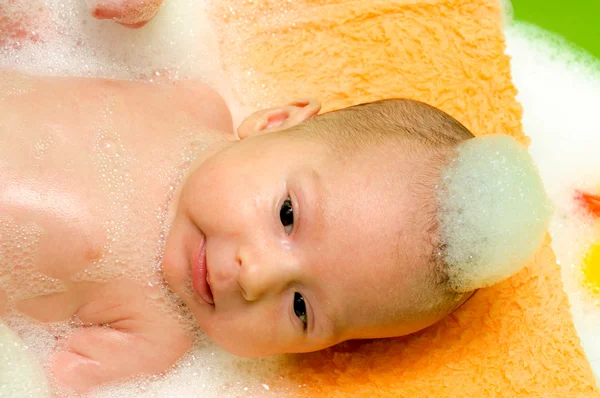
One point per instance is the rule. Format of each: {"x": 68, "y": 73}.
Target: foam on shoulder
{"x": 494, "y": 212}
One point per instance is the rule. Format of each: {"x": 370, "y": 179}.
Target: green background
{"x": 576, "y": 20}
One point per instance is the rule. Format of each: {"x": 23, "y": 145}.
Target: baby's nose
{"x": 260, "y": 276}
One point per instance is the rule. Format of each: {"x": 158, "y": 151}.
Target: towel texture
{"x": 514, "y": 339}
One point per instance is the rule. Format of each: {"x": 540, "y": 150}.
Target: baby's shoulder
{"x": 206, "y": 103}
{"x": 200, "y": 106}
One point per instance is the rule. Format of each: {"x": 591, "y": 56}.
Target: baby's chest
{"x": 48, "y": 238}
{"x": 61, "y": 227}
{"x": 58, "y": 252}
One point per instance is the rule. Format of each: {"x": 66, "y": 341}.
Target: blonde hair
{"x": 399, "y": 120}
{"x": 429, "y": 135}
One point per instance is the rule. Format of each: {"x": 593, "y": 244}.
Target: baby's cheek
{"x": 130, "y": 13}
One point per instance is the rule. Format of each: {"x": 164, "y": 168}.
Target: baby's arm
{"x": 129, "y": 13}
{"x": 128, "y": 334}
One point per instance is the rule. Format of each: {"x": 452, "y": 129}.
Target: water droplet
{"x": 108, "y": 145}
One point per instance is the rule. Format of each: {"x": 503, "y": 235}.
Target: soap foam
{"x": 493, "y": 212}
{"x": 19, "y": 278}
{"x": 207, "y": 371}
{"x": 20, "y": 374}
{"x": 559, "y": 87}
{"x": 72, "y": 42}
{"x": 61, "y": 38}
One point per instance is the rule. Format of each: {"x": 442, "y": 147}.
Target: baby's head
{"x": 312, "y": 230}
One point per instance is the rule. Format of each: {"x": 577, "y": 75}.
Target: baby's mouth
{"x": 200, "y": 273}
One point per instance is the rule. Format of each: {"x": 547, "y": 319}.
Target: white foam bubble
{"x": 206, "y": 371}
{"x": 20, "y": 374}
{"x": 74, "y": 43}
{"x": 19, "y": 277}
{"x": 559, "y": 87}
{"x": 178, "y": 43}
{"x": 494, "y": 212}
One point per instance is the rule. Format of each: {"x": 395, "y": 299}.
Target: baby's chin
{"x": 176, "y": 276}
{"x": 183, "y": 291}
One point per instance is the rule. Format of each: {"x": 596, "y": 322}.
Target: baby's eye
{"x": 286, "y": 215}
{"x": 300, "y": 308}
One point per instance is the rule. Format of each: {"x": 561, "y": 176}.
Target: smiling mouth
{"x": 200, "y": 274}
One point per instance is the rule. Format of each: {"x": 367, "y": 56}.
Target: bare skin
{"x": 51, "y": 168}
{"x": 129, "y": 13}
{"x": 95, "y": 168}
{"x": 264, "y": 242}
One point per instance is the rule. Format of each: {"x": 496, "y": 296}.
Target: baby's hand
{"x": 129, "y": 13}
{"x": 97, "y": 355}
{"x": 140, "y": 339}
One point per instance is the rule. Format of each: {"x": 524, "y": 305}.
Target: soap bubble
{"x": 494, "y": 212}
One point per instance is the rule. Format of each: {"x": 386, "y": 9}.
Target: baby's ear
{"x": 276, "y": 119}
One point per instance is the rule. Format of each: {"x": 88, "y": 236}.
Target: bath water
{"x": 558, "y": 87}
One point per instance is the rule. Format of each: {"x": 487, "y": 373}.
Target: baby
{"x": 122, "y": 202}
{"x": 137, "y": 212}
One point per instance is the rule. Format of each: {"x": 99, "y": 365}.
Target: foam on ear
{"x": 493, "y": 214}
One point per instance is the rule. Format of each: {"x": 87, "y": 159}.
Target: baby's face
{"x": 278, "y": 248}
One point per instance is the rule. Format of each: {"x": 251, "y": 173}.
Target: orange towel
{"x": 516, "y": 338}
